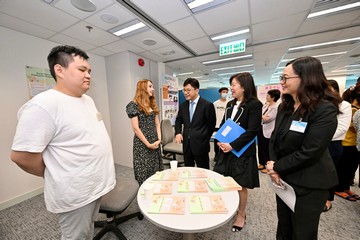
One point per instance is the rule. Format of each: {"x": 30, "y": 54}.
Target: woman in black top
{"x": 245, "y": 110}
{"x": 304, "y": 126}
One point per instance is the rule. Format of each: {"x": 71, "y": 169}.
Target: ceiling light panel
{"x": 349, "y": 40}
{"x": 230, "y": 34}
{"x": 129, "y": 28}
{"x": 329, "y": 54}
{"x": 334, "y": 10}
{"x": 227, "y": 59}
{"x": 202, "y": 5}
{"x": 226, "y": 68}
{"x": 186, "y": 73}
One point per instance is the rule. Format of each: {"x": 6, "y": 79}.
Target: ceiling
{"x": 183, "y": 39}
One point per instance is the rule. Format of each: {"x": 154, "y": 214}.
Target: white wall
{"x": 113, "y": 86}
{"x": 123, "y": 73}
{"x": 16, "y": 51}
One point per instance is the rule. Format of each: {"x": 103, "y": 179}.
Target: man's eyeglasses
{"x": 283, "y": 78}
{"x": 188, "y": 90}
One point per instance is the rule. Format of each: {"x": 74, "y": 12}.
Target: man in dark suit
{"x": 194, "y": 125}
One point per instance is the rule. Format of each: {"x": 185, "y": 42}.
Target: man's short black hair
{"x": 64, "y": 55}
{"x": 222, "y": 89}
{"x": 193, "y": 82}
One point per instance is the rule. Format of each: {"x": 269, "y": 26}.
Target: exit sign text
{"x": 232, "y": 47}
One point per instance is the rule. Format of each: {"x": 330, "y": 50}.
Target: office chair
{"x": 116, "y": 202}
{"x": 169, "y": 147}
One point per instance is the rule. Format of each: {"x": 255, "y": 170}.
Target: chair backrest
{"x": 167, "y": 131}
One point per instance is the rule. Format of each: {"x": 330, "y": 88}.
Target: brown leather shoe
{"x": 264, "y": 170}
{"x": 261, "y": 167}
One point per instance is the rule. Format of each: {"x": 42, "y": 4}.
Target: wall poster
{"x": 170, "y": 97}
{"x": 263, "y": 89}
{"x": 38, "y": 79}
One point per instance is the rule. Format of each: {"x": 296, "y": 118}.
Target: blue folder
{"x": 230, "y": 131}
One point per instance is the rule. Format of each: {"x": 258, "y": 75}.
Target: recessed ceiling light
{"x": 226, "y": 68}
{"x": 129, "y": 29}
{"x": 198, "y": 3}
{"x": 231, "y": 34}
{"x": 353, "y": 65}
{"x": 186, "y": 73}
{"x": 346, "y": 70}
{"x": 332, "y": 10}
{"x": 126, "y": 29}
{"x": 227, "y": 59}
{"x": 84, "y": 5}
{"x": 329, "y": 54}
{"x": 323, "y": 44}
{"x": 232, "y": 73}
{"x": 201, "y": 5}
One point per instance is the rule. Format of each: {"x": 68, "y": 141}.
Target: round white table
{"x": 188, "y": 224}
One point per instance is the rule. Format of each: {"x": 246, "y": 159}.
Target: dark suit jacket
{"x": 250, "y": 120}
{"x": 201, "y": 127}
{"x": 303, "y": 159}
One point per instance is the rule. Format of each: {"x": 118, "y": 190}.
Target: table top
{"x": 190, "y": 223}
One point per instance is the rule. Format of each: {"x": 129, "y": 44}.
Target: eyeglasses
{"x": 284, "y": 79}
{"x": 188, "y": 90}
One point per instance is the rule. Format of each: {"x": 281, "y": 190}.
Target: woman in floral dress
{"x": 144, "y": 114}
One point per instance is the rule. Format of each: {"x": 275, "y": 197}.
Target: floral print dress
{"x": 146, "y": 161}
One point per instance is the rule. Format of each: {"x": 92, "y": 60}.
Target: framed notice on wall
{"x": 263, "y": 89}
{"x": 38, "y": 79}
{"x": 170, "y": 97}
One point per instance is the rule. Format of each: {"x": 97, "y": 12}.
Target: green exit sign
{"x": 232, "y": 47}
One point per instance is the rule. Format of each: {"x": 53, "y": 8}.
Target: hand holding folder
{"x": 230, "y": 131}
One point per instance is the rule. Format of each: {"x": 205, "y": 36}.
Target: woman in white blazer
{"x": 269, "y": 112}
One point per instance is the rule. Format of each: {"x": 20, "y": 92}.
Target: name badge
{"x": 99, "y": 116}
{"x": 298, "y": 126}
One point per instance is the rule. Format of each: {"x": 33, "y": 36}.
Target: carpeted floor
{"x": 29, "y": 220}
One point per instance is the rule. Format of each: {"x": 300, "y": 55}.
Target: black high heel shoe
{"x": 237, "y": 228}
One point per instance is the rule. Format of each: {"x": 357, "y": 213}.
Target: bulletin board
{"x": 38, "y": 80}
{"x": 170, "y": 97}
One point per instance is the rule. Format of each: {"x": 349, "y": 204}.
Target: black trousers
{"x": 347, "y": 166}
{"x": 304, "y": 223}
{"x": 202, "y": 161}
{"x": 335, "y": 150}
{"x": 263, "y": 147}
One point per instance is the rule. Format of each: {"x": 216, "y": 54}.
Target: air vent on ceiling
{"x": 149, "y": 42}
{"x": 168, "y": 53}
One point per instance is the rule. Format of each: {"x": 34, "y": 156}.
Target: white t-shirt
{"x": 76, "y": 148}
{"x": 220, "y": 107}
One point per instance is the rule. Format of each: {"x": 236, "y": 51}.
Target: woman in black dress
{"x": 144, "y": 114}
{"x": 245, "y": 110}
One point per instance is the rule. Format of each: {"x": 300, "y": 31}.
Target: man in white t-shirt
{"x": 220, "y": 106}
{"x": 61, "y": 137}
